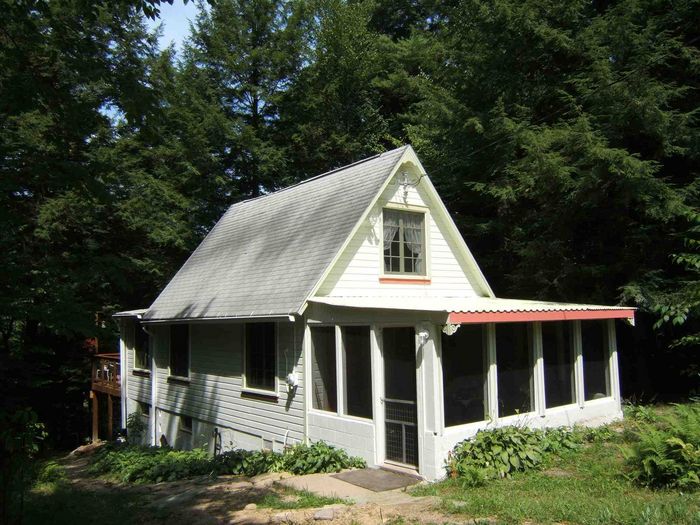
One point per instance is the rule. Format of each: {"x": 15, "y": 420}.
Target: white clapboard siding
{"x": 358, "y": 269}
{"x": 138, "y": 386}
{"x": 214, "y": 393}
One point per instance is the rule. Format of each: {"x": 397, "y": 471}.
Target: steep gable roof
{"x": 265, "y": 255}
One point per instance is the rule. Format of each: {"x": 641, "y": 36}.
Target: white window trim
{"x": 340, "y": 374}
{"x": 188, "y": 377}
{"x": 272, "y": 393}
{"x": 146, "y": 371}
{"x": 181, "y": 427}
{"x": 426, "y": 276}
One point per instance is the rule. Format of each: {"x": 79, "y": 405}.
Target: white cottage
{"x": 348, "y": 308}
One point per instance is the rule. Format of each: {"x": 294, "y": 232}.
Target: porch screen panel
{"x": 596, "y": 377}
{"x": 358, "y": 371}
{"x": 514, "y": 369}
{"x": 260, "y": 366}
{"x": 558, "y": 354}
{"x": 324, "y": 388}
{"x": 464, "y": 376}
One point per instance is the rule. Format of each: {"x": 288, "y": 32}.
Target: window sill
{"x": 261, "y": 395}
{"x": 179, "y": 380}
{"x": 141, "y": 372}
{"x": 404, "y": 280}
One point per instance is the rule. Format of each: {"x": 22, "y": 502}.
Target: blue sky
{"x": 176, "y": 22}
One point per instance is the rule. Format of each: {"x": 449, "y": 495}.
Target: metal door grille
{"x": 401, "y": 431}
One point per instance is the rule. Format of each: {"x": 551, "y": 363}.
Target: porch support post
{"x": 340, "y": 366}
{"x": 538, "y": 370}
{"x": 110, "y": 417}
{"x": 578, "y": 364}
{"x": 95, "y": 416}
{"x": 377, "y": 365}
{"x": 491, "y": 372}
{"x": 613, "y": 367}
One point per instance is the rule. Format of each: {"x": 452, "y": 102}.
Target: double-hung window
{"x": 260, "y": 366}
{"x": 404, "y": 242}
{"x": 141, "y": 348}
{"x": 180, "y": 350}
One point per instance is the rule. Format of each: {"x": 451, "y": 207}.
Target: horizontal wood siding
{"x": 215, "y": 393}
{"x": 138, "y": 387}
{"x": 358, "y": 271}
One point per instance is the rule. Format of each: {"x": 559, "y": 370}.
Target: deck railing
{"x": 106, "y": 374}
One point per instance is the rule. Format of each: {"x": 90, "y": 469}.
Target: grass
{"x": 583, "y": 487}
{"x": 285, "y": 498}
{"x": 59, "y": 503}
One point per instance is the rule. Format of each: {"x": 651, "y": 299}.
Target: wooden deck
{"x": 106, "y": 380}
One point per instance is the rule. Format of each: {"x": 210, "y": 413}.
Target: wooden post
{"x": 110, "y": 416}
{"x": 95, "y": 416}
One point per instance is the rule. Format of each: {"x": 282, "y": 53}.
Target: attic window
{"x": 404, "y": 242}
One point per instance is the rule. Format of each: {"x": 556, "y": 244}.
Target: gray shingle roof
{"x": 265, "y": 255}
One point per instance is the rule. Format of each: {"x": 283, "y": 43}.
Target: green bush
{"x": 51, "y": 472}
{"x": 499, "y": 452}
{"x": 318, "y": 457}
{"x": 665, "y": 453}
{"x": 135, "y": 464}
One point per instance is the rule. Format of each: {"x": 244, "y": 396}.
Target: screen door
{"x": 400, "y": 395}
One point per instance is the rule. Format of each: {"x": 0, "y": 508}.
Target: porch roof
{"x": 463, "y": 310}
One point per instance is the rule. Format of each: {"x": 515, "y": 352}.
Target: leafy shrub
{"x": 640, "y": 413}
{"x": 135, "y": 464}
{"x": 51, "y": 472}
{"x": 20, "y": 437}
{"x": 499, "y": 452}
{"x": 318, "y": 457}
{"x": 246, "y": 463}
{"x": 135, "y": 427}
{"x": 666, "y": 453}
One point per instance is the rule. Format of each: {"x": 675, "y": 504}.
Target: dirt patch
{"x": 232, "y": 500}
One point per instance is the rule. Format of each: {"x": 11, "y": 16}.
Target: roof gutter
{"x": 260, "y": 318}
{"x": 553, "y": 315}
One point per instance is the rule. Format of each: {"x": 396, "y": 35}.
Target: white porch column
{"x": 491, "y": 372}
{"x": 578, "y": 366}
{"x": 613, "y": 366}
{"x": 539, "y": 404}
{"x": 377, "y": 364}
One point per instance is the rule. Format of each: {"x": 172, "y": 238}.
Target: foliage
{"x": 582, "y": 487}
{"x": 318, "y": 457}
{"x": 51, "y": 472}
{"x": 289, "y": 499}
{"x": 665, "y": 453}
{"x": 137, "y": 464}
{"x": 499, "y": 452}
{"x": 20, "y": 437}
{"x": 135, "y": 427}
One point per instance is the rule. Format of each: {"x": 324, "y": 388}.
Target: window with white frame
{"x": 558, "y": 358}
{"x": 260, "y": 356}
{"x": 594, "y": 349}
{"x": 141, "y": 348}
{"x": 514, "y": 369}
{"x": 358, "y": 371}
{"x": 404, "y": 242}
{"x": 180, "y": 350}
{"x": 324, "y": 393}
{"x": 464, "y": 376}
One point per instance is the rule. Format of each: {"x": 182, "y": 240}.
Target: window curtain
{"x": 391, "y": 226}
{"x": 413, "y": 237}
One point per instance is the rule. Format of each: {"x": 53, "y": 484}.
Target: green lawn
{"x": 584, "y": 487}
